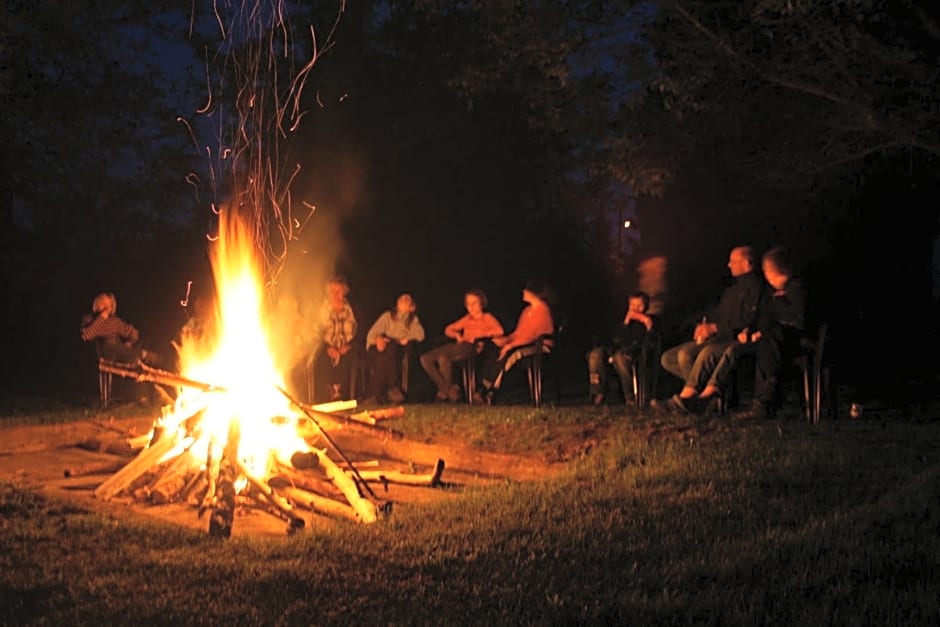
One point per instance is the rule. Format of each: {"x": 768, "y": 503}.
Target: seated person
{"x": 505, "y": 351}
{"x": 117, "y": 340}
{"x": 475, "y": 325}
{"x": 627, "y": 343}
{"x": 385, "y": 342}
{"x": 779, "y": 336}
{"x": 114, "y": 338}
{"x": 336, "y": 329}
{"x": 694, "y": 362}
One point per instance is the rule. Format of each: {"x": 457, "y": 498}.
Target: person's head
{"x": 741, "y": 260}
{"x": 638, "y": 301}
{"x": 105, "y": 305}
{"x": 777, "y": 267}
{"x": 475, "y": 302}
{"x": 336, "y": 290}
{"x": 536, "y": 290}
{"x": 405, "y": 305}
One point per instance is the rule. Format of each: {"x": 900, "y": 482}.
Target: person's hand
{"x": 504, "y": 351}
{"x": 701, "y": 333}
{"x": 333, "y": 353}
{"x": 501, "y": 340}
{"x": 756, "y": 335}
{"x": 403, "y": 341}
{"x": 743, "y": 336}
{"x": 380, "y": 343}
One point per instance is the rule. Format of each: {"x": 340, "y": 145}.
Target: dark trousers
{"x": 384, "y": 368}
{"x": 772, "y": 352}
{"x": 327, "y": 375}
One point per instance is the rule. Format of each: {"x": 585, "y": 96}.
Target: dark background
{"x": 427, "y": 182}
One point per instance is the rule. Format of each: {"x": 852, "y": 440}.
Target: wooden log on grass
{"x": 366, "y": 509}
{"x": 94, "y": 468}
{"x": 164, "y": 487}
{"x": 431, "y": 479}
{"x": 304, "y": 480}
{"x": 335, "y": 406}
{"x": 318, "y": 503}
{"x": 144, "y": 462}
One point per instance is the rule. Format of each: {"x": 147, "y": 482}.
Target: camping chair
{"x": 645, "y": 369}
{"x": 535, "y": 367}
{"x": 815, "y": 372}
{"x": 105, "y": 381}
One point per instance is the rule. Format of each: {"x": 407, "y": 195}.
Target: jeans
{"x": 694, "y": 363}
{"x": 597, "y": 370}
{"x": 439, "y": 363}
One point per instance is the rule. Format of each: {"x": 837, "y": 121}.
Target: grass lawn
{"x": 654, "y": 521}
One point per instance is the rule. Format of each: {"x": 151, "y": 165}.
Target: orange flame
{"x": 235, "y": 355}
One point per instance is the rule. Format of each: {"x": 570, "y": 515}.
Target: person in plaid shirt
{"x": 337, "y": 328}
{"x": 114, "y": 338}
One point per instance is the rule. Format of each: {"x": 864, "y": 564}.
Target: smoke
{"x": 318, "y": 253}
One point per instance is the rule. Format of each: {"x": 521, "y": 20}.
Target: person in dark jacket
{"x": 694, "y": 361}
{"x": 627, "y": 344}
{"x": 780, "y": 333}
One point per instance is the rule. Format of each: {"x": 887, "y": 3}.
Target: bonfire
{"x": 234, "y": 434}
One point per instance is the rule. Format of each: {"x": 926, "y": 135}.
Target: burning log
{"x": 141, "y": 464}
{"x": 194, "y": 490}
{"x": 146, "y": 374}
{"x": 223, "y": 507}
{"x": 279, "y": 503}
{"x": 165, "y": 486}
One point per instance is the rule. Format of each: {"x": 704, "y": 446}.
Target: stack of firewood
{"x": 182, "y": 466}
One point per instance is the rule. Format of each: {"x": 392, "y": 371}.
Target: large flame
{"x": 235, "y": 355}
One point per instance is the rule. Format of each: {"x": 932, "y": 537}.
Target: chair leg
{"x": 469, "y": 381}
{"x": 807, "y": 394}
{"x": 635, "y": 378}
{"x": 104, "y": 388}
{"x": 535, "y": 382}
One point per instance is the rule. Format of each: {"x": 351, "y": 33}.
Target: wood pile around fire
{"x": 179, "y": 461}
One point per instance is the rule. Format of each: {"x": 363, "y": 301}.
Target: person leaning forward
{"x": 695, "y": 361}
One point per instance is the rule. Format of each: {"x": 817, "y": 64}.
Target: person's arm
{"x": 377, "y": 330}
{"x": 493, "y": 326}
{"x": 640, "y": 317}
{"x": 792, "y": 304}
{"x": 533, "y": 323}
{"x": 454, "y": 330}
{"x": 416, "y": 332}
{"x": 130, "y": 334}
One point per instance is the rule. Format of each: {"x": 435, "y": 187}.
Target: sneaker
{"x": 442, "y": 396}
{"x": 395, "y": 395}
{"x": 477, "y": 399}
{"x": 598, "y": 399}
{"x": 453, "y": 394}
